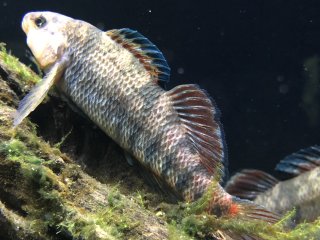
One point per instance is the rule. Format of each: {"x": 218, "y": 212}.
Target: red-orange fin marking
{"x": 148, "y": 54}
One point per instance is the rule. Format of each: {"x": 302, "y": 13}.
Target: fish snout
{"x": 26, "y": 22}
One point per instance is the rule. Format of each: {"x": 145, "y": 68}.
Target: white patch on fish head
{"x": 46, "y": 36}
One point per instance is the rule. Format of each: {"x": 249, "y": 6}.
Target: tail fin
{"x": 249, "y": 210}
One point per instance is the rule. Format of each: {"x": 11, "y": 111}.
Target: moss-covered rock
{"x": 45, "y": 195}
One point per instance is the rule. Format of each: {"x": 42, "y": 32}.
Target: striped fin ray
{"x": 299, "y": 162}
{"x": 200, "y": 118}
{"x": 249, "y": 183}
{"x": 148, "y": 54}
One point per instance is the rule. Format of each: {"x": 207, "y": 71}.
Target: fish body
{"x": 301, "y": 191}
{"x": 113, "y": 77}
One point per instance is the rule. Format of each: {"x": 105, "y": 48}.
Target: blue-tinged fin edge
{"x": 143, "y": 49}
{"x": 301, "y": 161}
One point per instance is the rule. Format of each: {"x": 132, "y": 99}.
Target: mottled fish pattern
{"x": 113, "y": 77}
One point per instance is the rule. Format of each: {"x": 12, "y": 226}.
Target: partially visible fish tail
{"x": 248, "y": 211}
{"x": 223, "y": 204}
{"x": 242, "y": 211}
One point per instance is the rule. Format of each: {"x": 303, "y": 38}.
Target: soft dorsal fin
{"x": 249, "y": 183}
{"x": 299, "y": 162}
{"x": 148, "y": 54}
{"x": 200, "y": 118}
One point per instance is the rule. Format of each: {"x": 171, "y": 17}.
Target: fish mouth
{"x": 24, "y": 24}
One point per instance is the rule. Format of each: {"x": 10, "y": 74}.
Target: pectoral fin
{"x": 38, "y": 93}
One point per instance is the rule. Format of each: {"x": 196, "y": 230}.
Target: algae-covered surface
{"x": 62, "y": 178}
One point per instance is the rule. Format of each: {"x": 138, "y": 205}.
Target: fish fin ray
{"x": 245, "y": 210}
{"x": 249, "y": 183}
{"x": 129, "y": 158}
{"x": 234, "y": 236}
{"x": 200, "y": 118}
{"x": 39, "y": 92}
{"x": 143, "y": 49}
{"x": 251, "y": 210}
{"x": 301, "y": 161}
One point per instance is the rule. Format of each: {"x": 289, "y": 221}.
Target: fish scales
{"x": 301, "y": 192}
{"x": 135, "y": 112}
{"x": 113, "y": 78}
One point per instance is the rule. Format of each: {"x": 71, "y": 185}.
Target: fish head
{"x": 46, "y": 36}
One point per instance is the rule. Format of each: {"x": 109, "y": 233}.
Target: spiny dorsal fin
{"x": 302, "y": 161}
{"x": 249, "y": 183}
{"x": 200, "y": 118}
{"x": 148, "y": 54}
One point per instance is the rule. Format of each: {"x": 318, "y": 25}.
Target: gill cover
{"x": 46, "y": 36}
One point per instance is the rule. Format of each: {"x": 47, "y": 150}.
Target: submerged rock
{"x": 46, "y": 195}
{"x": 62, "y": 178}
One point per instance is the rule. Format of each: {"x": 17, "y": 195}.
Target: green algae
{"x": 53, "y": 197}
{"x": 107, "y": 221}
{"x": 176, "y": 233}
{"x": 187, "y": 220}
{"x": 193, "y": 220}
{"x": 14, "y": 66}
{"x": 17, "y": 151}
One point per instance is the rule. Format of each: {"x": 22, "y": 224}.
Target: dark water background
{"x": 259, "y": 60}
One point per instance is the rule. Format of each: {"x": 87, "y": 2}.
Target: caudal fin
{"x": 249, "y": 210}
{"x": 249, "y": 218}
{"x": 244, "y": 219}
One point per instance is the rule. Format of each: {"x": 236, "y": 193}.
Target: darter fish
{"x": 301, "y": 191}
{"x": 114, "y": 78}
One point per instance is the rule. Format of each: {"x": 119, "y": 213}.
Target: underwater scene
{"x": 160, "y": 120}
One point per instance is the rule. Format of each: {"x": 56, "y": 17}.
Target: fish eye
{"x": 40, "y": 22}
